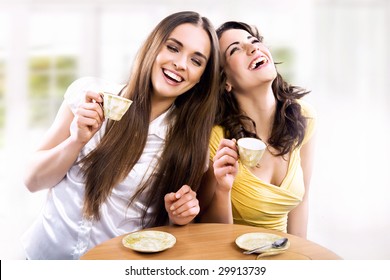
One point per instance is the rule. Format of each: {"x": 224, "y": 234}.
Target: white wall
{"x": 341, "y": 54}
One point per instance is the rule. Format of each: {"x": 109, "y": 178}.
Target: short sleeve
{"x": 311, "y": 115}
{"x": 75, "y": 94}
{"x": 216, "y": 136}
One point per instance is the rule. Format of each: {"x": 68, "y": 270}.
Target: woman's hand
{"x": 88, "y": 117}
{"x": 226, "y": 164}
{"x": 182, "y": 206}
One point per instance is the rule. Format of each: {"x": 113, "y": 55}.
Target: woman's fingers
{"x": 224, "y": 160}
{"x": 89, "y": 117}
{"x": 225, "y": 164}
{"x": 91, "y": 110}
{"x": 226, "y": 148}
{"x": 189, "y": 208}
{"x": 183, "y": 202}
{"x": 91, "y": 97}
{"x": 224, "y": 171}
{"x": 225, "y": 156}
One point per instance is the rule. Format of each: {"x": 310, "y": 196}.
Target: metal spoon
{"x": 276, "y": 244}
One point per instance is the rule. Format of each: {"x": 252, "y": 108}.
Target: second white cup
{"x": 250, "y": 150}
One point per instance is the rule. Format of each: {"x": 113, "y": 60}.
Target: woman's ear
{"x": 228, "y": 87}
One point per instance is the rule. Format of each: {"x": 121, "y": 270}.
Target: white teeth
{"x": 257, "y": 62}
{"x": 173, "y": 76}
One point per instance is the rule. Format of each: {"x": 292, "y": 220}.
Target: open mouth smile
{"x": 256, "y": 63}
{"x": 172, "y": 76}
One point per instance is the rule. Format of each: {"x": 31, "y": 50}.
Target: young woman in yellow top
{"x": 257, "y": 102}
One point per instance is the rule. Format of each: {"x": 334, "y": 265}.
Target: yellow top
{"x": 257, "y": 203}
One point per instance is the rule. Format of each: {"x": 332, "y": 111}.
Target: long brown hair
{"x": 185, "y": 150}
{"x": 288, "y": 129}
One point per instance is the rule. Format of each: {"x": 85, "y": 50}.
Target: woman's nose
{"x": 251, "y": 49}
{"x": 180, "y": 62}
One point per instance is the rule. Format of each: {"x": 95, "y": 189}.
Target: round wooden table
{"x": 209, "y": 242}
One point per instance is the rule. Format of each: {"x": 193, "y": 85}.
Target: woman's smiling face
{"x": 181, "y": 61}
{"x": 246, "y": 61}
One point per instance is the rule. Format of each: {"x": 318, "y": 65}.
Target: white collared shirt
{"x": 61, "y": 232}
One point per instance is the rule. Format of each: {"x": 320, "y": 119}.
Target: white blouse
{"x": 61, "y": 232}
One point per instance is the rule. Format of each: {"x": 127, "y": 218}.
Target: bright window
{"x": 49, "y": 76}
{"x": 53, "y": 62}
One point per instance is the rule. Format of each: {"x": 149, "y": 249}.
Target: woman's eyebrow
{"x": 181, "y": 45}
{"x": 234, "y": 43}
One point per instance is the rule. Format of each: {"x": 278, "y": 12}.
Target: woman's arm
{"x": 214, "y": 194}
{"x": 60, "y": 147}
{"x": 298, "y": 217}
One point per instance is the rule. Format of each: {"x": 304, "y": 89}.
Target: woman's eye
{"x": 255, "y": 41}
{"x": 172, "y": 48}
{"x": 197, "y": 62}
{"x": 233, "y": 50}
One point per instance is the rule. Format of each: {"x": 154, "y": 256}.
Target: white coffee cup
{"x": 250, "y": 150}
{"x": 115, "y": 106}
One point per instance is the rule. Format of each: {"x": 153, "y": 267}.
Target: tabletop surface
{"x": 209, "y": 242}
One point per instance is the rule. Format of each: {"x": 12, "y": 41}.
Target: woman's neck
{"x": 260, "y": 105}
{"x": 159, "y": 107}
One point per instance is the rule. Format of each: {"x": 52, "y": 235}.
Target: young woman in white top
{"x": 107, "y": 178}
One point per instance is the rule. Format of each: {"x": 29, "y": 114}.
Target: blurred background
{"x": 339, "y": 49}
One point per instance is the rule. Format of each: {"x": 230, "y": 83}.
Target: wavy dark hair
{"x": 186, "y": 145}
{"x": 288, "y": 129}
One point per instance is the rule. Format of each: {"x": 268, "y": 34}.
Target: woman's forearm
{"x": 48, "y": 167}
{"x": 219, "y": 209}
